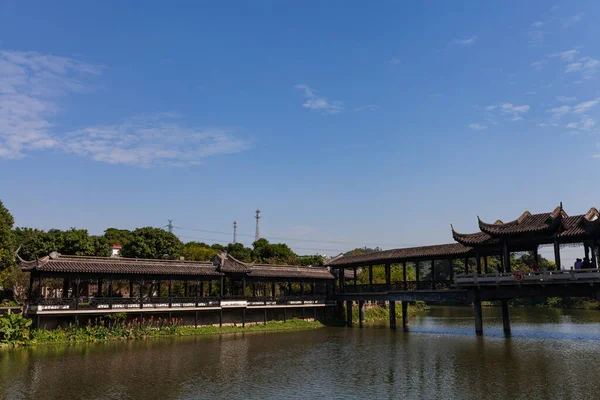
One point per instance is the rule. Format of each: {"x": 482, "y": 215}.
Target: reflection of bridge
{"x": 477, "y": 268}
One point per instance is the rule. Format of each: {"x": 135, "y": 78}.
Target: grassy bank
{"x": 114, "y": 330}
{"x": 377, "y": 313}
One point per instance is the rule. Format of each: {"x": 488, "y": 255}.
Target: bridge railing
{"x": 427, "y": 285}
{"x": 533, "y": 277}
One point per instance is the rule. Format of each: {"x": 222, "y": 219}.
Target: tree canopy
{"x": 6, "y": 238}
{"x": 152, "y": 242}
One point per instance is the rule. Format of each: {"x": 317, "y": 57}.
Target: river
{"x": 551, "y": 354}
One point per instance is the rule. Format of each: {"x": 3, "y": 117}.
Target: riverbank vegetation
{"x": 15, "y": 330}
{"x": 375, "y": 313}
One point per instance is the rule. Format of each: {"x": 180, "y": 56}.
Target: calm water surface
{"x": 552, "y": 354}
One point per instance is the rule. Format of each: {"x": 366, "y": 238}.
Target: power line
{"x": 303, "y": 240}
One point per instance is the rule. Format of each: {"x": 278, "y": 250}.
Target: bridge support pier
{"x": 506, "y": 317}
{"x": 405, "y": 316}
{"x": 361, "y": 313}
{"x": 393, "y": 314}
{"x": 478, "y": 314}
{"x": 349, "y": 313}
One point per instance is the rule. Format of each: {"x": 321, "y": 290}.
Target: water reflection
{"x": 551, "y": 354}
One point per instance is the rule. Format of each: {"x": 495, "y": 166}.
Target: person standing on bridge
{"x": 586, "y": 263}
{"x": 578, "y": 264}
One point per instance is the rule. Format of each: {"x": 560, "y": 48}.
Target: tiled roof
{"x": 405, "y": 254}
{"x": 118, "y": 265}
{"x": 289, "y": 271}
{"x": 555, "y": 224}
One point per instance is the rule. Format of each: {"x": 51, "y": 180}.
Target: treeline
{"x": 147, "y": 242}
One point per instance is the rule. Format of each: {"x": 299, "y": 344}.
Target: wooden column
{"x": 478, "y": 314}
{"x": 99, "y": 292}
{"x": 222, "y": 288}
{"x": 506, "y": 257}
{"x": 506, "y": 317}
{"x": 432, "y": 274}
{"x": 466, "y": 265}
{"x": 110, "y": 293}
{"x": 40, "y": 279}
{"x": 348, "y": 313}
{"x": 77, "y": 282}
{"x": 557, "y": 254}
{"x": 417, "y": 273}
{"x": 209, "y": 288}
{"x": 185, "y": 288}
{"x": 392, "y": 314}
{"x": 197, "y": 284}
{"x": 243, "y": 317}
{"x": 158, "y": 289}
{"x": 388, "y": 275}
{"x": 405, "y": 316}
{"x": 485, "y": 264}
{"x": 355, "y": 279}
{"x": 265, "y": 317}
{"x": 586, "y": 251}
{"x": 170, "y": 298}
{"x": 404, "y": 276}
{"x": 451, "y": 269}
{"x": 273, "y": 289}
{"x": 130, "y": 288}
{"x": 478, "y": 263}
{"x": 594, "y": 249}
{"x": 141, "y": 293}
{"x": 370, "y": 278}
{"x": 536, "y": 256}
{"x": 361, "y": 313}
{"x": 66, "y": 286}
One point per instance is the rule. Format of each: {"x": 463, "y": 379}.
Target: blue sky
{"x": 346, "y": 123}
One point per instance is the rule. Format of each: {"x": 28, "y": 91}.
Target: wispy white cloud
{"x": 368, "y": 107}
{"x": 316, "y": 103}
{"x": 538, "y": 64}
{"x": 32, "y": 87}
{"x": 572, "y": 20}
{"x": 478, "y": 127}
{"x": 565, "y": 99}
{"x": 466, "y": 42}
{"x": 558, "y": 112}
{"x": 585, "y": 106}
{"x": 515, "y": 111}
{"x": 149, "y": 140}
{"x": 567, "y": 55}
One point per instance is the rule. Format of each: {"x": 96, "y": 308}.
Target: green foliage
{"x": 361, "y": 250}
{"x": 35, "y": 243}
{"x": 311, "y": 260}
{"x": 117, "y": 236}
{"x": 6, "y": 238}
{"x": 14, "y": 329}
{"x": 277, "y": 253}
{"x": 240, "y": 252}
{"x": 151, "y": 242}
{"x": 197, "y": 251}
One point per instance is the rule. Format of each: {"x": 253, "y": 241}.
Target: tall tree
{"x": 197, "y": 251}
{"x": 6, "y": 238}
{"x": 117, "y": 236}
{"x": 152, "y": 242}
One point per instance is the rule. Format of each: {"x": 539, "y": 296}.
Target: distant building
{"x": 116, "y": 250}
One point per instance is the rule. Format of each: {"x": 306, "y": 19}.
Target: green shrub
{"x": 14, "y": 329}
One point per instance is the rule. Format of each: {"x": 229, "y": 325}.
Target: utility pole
{"x": 258, "y": 217}
{"x": 235, "y": 224}
{"x": 170, "y": 226}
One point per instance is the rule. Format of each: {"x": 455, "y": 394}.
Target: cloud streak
{"x": 317, "y": 103}
{"x": 466, "y": 42}
{"x": 32, "y": 87}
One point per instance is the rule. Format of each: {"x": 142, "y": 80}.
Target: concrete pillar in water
{"x": 392, "y": 314}
{"x": 361, "y": 313}
{"x": 349, "y": 313}
{"x": 478, "y": 314}
{"x": 505, "y": 317}
{"x": 405, "y": 316}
